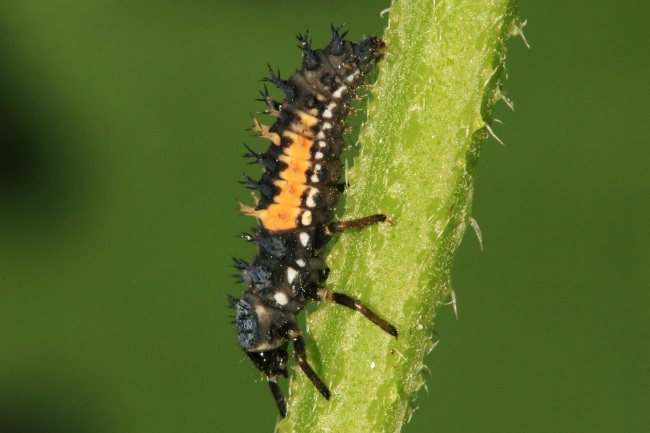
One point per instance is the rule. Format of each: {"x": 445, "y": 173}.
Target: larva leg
{"x": 277, "y": 395}
{"x": 356, "y": 305}
{"x": 341, "y": 226}
{"x": 293, "y": 334}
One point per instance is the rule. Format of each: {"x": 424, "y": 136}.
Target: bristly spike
{"x": 273, "y": 107}
{"x": 265, "y": 190}
{"x": 233, "y": 302}
{"x": 265, "y": 94}
{"x": 243, "y": 268}
{"x": 335, "y": 46}
{"x": 252, "y": 154}
{"x": 250, "y": 211}
{"x": 265, "y": 131}
{"x": 288, "y": 90}
{"x": 335, "y": 30}
{"x": 309, "y": 59}
{"x": 250, "y": 183}
{"x": 274, "y": 245}
{"x": 260, "y": 158}
{"x": 303, "y": 39}
{"x": 240, "y": 264}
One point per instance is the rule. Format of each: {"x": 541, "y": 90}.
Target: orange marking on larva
{"x": 290, "y": 193}
{"x": 300, "y": 146}
{"x": 296, "y": 175}
{"x": 296, "y": 169}
{"x": 306, "y": 119}
{"x": 276, "y": 217}
{"x": 281, "y": 217}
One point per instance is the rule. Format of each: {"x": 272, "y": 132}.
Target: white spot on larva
{"x": 319, "y": 155}
{"x": 304, "y": 239}
{"x": 327, "y": 125}
{"x": 281, "y": 298}
{"x": 339, "y": 92}
{"x": 372, "y": 365}
{"x": 314, "y": 178}
{"x": 327, "y": 114}
{"x": 260, "y": 311}
{"x": 320, "y": 135}
{"x": 310, "y": 197}
{"x": 322, "y": 144}
{"x": 291, "y": 274}
{"x": 331, "y": 106}
{"x": 317, "y": 167}
{"x": 306, "y": 219}
{"x": 301, "y": 263}
{"x": 419, "y": 327}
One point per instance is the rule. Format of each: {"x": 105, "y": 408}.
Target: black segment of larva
{"x": 298, "y": 192}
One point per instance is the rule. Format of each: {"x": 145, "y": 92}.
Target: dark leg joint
{"x": 324, "y": 273}
{"x": 341, "y": 226}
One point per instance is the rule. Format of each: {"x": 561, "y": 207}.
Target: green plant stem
{"x": 433, "y": 99}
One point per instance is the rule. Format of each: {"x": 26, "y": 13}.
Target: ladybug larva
{"x": 298, "y": 192}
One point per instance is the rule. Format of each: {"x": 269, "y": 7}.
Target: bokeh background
{"x": 120, "y": 131}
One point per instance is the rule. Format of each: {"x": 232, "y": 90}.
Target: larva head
{"x": 248, "y": 326}
{"x": 368, "y": 51}
{"x": 258, "y": 330}
{"x": 363, "y": 54}
{"x": 256, "y": 322}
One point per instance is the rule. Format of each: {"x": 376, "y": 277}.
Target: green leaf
{"x": 431, "y": 110}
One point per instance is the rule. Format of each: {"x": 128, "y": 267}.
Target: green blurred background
{"x": 120, "y": 129}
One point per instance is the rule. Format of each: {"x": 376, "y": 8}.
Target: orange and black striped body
{"x": 298, "y": 193}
